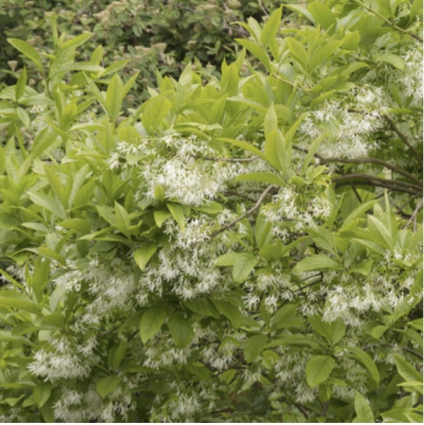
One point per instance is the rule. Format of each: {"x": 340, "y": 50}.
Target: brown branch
{"x": 253, "y": 158}
{"x": 373, "y": 161}
{"x": 365, "y": 179}
{"x": 414, "y": 216}
{"x": 253, "y": 209}
{"x": 230, "y": 193}
{"x": 404, "y": 139}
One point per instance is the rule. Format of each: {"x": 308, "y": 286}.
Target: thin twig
{"x": 384, "y": 344}
{"x": 253, "y": 158}
{"x": 230, "y": 193}
{"x": 404, "y": 139}
{"x": 253, "y": 209}
{"x": 355, "y": 191}
{"x": 102, "y": 335}
{"x": 393, "y": 25}
{"x": 414, "y": 216}
{"x": 372, "y": 161}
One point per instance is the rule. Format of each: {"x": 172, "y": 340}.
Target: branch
{"x": 373, "y": 161}
{"x": 393, "y": 25}
{"x": 414, "y": 216}
{"x": 253, "y": 158}
{"x": 395, "y": 185}
{"x": 404, "y": 139}
{"x": 253, "y": 209}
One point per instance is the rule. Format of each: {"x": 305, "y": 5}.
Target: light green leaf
{"x": 48, "y": 203}
{"x": 318, "y": 369}
{"x": 151, "y": 322}
{"x": 244, "y": 145}
{"x": 41, "y": 393}
{"x": 107, "y": 385}
{"x": 17, "y": 300}
{"x": 253, "y": 347}
{"x": 256, "y": 51}
{"x": 76, "y": 41}
{"x": 298, "y": 52}
{"x": 263, "y": 177}
{"x": 122, "y": 220}
{"x": 114, "y": 96}
{"x": 363, "y": 409}
{"x": 21, "y": 84}
{"x": 322, "y": 14}
{"x": 271, "y": 27}
{"x": 227, "y": 259}
{"x": 243, "y": 265}
{"x": 177, "y": 213}
{"x": 311, "y": 152}
{"x": 318, "y": 262}
{"x": 160, "y": 217}
{"x": 27, "y": 50}
{"x": 406, "y": 370}
{"x": 181, "y": 331}
{"x": 366, "y": 360}
{"x": 156, "y": 109}
{"x": 144, "y": 254}
{"x": 391, "y": 59}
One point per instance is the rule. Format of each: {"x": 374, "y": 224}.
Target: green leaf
{"x": 114, "y": 96}
{"x": 144, "y": 254}
{"x": 107, "y": 385}
{"x": 256, "y": 51}
{"x": 322, "y": 14}
{"x": 363, "y": 409}
{"x": 311, "y": 152}
{"x": 244, "y": 145}
{"x": 181, "y": 331}
{"x": 231, "y": 312}
{"x": 151, "y": 322}
{"x": 253, "y": 347}
{"x": 128, "y": 85}
{"x": 27, "y": 50}
{"x": 271, "y": 28}
{"x": 160, "y": 217}
{"x": 282, "y": 314}
{"x": 227, "y": 259}
{"x": 17, "y": 300}
{"x": 391, "y": 59}
{"x": 318, "y": 369}
{"x": 275, "y": 151}
{"x": 366, "y": 360}
{"x": 178, "y": 214}
{"x": 318, "y": 262}
{"x": 298, "y": 52}
{"x": 21, "y": 84}
{"x": 406, "y": 370}
{"x": 263, "y": 177}
{"x": 156, "y": 109}
{"x": 122, "y": 220}
{"x": 48, "y": 203}
{"x": 243, "y": 265}
{"x": 202, "y": 307}
{"x": 41, "y": 393}
{"x": 76, "y": 41}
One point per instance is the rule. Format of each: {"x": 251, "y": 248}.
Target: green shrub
{"x": 246, "y": 248}
{"x": 148, "y": 35}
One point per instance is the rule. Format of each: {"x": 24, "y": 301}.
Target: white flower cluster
{"x": 350, "y": 124}
{"x": 285, "y": 208}
{"x": 62, "y": 361}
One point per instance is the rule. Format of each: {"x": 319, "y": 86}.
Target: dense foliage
{"x": 241, "y": 247}
{"x": 144, "y": 35}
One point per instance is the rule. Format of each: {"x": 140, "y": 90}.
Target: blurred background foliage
{"x": 150, "y": 34}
